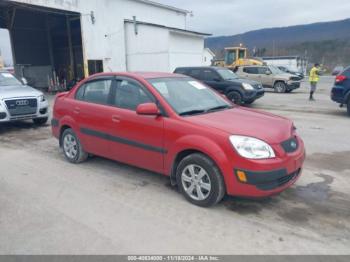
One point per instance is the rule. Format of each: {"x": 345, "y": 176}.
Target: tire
{"x": 40, "y": 121}
{"x": 72, "y": 148}
{"x": 280, "y": 87}
{"x": 235, "y": 98}
{"x": 348, "y": 106}
{"x": 207, "y": 190}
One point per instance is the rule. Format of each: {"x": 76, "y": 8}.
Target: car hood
{"x": 247, "y": 122}
{"x": 285, "y": 76}
{"x": 18, "y": 91}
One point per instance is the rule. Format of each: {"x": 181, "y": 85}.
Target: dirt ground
{"x": 48, "y": 206}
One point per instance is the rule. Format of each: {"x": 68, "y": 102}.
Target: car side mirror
{"x": 24, "y": 81}
{"x": 268, "y": 73}
{"x": 148, "y": 109}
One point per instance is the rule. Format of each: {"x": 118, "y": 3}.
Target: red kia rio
{"x": 179, "y": 127}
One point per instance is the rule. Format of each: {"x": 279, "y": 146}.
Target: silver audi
{"x": 18, "y": 101}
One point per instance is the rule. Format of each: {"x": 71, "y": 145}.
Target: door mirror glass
{"x": 148, "y": 109}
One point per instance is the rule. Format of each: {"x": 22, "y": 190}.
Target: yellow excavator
{"x": 235, "y": 57}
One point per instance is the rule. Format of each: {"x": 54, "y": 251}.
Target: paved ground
{"x": 48, "y": 206}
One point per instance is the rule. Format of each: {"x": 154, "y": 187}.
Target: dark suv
{"x": 341, "y": 89}
{"x": 239, "y": 91}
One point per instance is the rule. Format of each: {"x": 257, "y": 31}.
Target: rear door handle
{"x": 76, "y": 110}
{"x": 116, "y": 119}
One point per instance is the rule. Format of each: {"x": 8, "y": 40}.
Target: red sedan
{"x": 177, "y": 126}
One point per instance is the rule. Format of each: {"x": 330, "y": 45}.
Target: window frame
{"x": 97, "y": 79}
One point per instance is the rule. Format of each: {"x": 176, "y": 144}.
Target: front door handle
{"x": 76, "y": 110}
{"x": 116, "y": 119}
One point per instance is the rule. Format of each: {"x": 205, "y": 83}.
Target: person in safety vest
{"x": 314, "y": 78}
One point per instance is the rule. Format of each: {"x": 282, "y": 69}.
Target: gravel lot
{"x": 48, "y": 206}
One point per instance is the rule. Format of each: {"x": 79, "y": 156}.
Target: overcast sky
{"x": 227, "y": 17}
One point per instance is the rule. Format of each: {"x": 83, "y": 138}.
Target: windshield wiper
{"x": 219, "y": 108}
{"x": 192, "y": 112}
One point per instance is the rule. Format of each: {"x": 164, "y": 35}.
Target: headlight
{"x": 252, "y": 148}
{"x": 42, "y": 98}
{"x": 247, "y": 86}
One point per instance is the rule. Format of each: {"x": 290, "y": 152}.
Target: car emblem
{"x": 22, "y": 102}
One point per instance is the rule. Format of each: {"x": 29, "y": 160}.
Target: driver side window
{"x": 129, "y": 95}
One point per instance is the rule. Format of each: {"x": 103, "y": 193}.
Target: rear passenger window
{"x": 251, "y": 70}
{"x": 97, "y": 92}
{"x": 195, "y": 73}
{"x": 209, "y": 75}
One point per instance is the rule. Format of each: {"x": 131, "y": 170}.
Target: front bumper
{"x": 42, "y": 111}
{"x": 267, "y": 181}
{"x": 263, "y": 178}
{"x": 253, "y": 95}
{"x": 293, "y": 85}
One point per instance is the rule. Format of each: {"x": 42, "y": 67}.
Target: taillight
{"x": 340, "y": 78}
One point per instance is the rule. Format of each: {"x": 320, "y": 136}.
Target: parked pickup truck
{"x": 271, "y": 77}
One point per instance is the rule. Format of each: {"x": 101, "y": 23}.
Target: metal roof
{"x": 164, "y": 6}
{"x": 169, "y": 28}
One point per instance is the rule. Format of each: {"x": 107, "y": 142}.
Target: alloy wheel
{"x": 70, "y": 146}
{"x": 196, "y": 182}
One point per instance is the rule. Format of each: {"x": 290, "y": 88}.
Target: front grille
{"x": 279, "y": 182}
{"x": 22, "y": 107}
{"x": 258, "y": 86}
{"x": 295, "y": 78}
{"x": 291, "y": 145}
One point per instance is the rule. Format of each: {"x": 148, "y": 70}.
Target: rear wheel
{"x": 40, "y": 121}
{"x": 280, "y": 87}
{"x": 200, "y": 180}
{"x": 235, "y": 97}
{"x": 72, "y": 147}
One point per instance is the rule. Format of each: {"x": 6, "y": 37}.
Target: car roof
{"x": 201, "y": 67}
{"x": 144, "y": 75}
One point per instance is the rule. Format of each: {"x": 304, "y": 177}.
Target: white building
{"x": 208, "y": 57}
{"x": 75, "y": 38}
{"x": 294, "y": 63}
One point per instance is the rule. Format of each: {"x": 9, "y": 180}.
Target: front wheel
{"x": 235, "y": 98}
{"x": 72, "y": 148}
{"x": 280, "y": 87}
{"x": 40, "y": 121}
{"x": 200, "y": 180}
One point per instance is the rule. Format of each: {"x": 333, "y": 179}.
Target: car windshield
{"x": 8, "y": 79}
{"x": 188, "y": 96}
{"x": 275, "y": 70}
{"x": 227, "y": 74}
